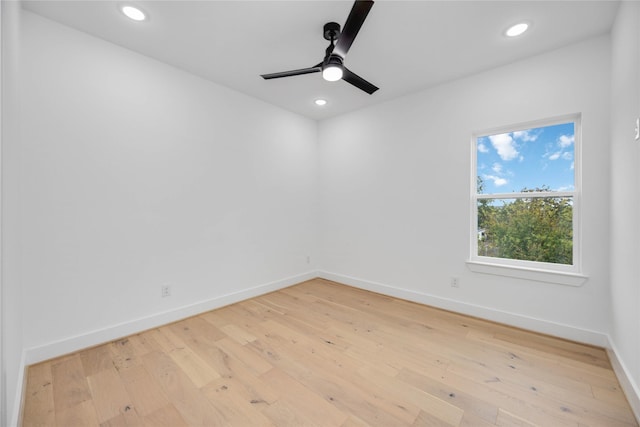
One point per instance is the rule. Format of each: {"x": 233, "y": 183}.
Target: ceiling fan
{"x": 332, "y": 67}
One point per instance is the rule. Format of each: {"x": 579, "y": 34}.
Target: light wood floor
{"x": 325, "y": 354}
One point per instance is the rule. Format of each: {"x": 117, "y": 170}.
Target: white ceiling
{"x": 403, "y": 46}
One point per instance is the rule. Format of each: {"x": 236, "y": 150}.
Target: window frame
{"x": 533, "y": 270}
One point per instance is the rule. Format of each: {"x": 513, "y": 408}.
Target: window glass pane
{"x": 531, "y": 229}
{"x": 533, "y": 159}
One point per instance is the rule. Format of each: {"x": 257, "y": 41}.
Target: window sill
{"x": 539, "y": 275}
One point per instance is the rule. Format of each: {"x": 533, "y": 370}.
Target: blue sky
{"x": 509, "y": 162}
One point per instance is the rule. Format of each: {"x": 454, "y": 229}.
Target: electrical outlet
{"x": 637, "y": 128}
{"x": 308, "y": 259}
{"x": 165, "y": 291}
{"x": 455, "y": 282}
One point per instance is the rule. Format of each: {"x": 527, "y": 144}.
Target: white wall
{"x": 625, "y": 191}
{"x": 395, "y": 191}
{"x": 133, "y": 174}
{"x": 10, "y": 287}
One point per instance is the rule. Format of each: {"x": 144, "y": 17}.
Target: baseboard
{"x": 629, "y": 386}
{"x": 530, "y": 323}
{"x": 113, "y": 332}
{"x": 18, "y": 403}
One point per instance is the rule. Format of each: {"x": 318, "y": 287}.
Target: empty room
{"x": 320, "y": 213}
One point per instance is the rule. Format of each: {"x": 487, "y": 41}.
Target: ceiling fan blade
{"x": 357, "y": 81}
{"x": 299, "y": 72}
{"x": 356, "y": 18}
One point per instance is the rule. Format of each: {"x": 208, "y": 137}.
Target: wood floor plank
{"x": 123, "y": 354}
{"x": 238, "y": 333}
{"x": 96, "y": 359}
{"x": 473, "y": 405}
{"x": 228, "y": 396}
{"x": 39, "y": 407}
{"x": 560, "y": 368}
{"x": 250, "y": 359}
{"x": 198, "y": 370}
{"x": 611, "y": 395}
{"x": 426, "y": 419}
{"x": 70, "y": 386}
{"x": 142, "y": 344}
{"x": 333, "y": 382}
{"x": 297, "y": 316}
{"x": 284, "y": 413}
{"x": 312, "y": 404}
{"x": 471, "y": 420}
{"x": 108, "y": 394}
{"x": 204, "y": 346}
{"x": 192, "y": 405}
{"x": 507, "y": 419}
{"x": 80, "y": 414}
{"x": 426, "y": 402}
{"x": 354, "y": 421}
{"x": 145, "y": 392}
{"x": 167, "y": 416}
{"x": 254, "y": 390}
{"x": 324, "y": 354}
{"x": 128, "y": 418}
{"x": 566, "y": 349}
{"x": 197, "y": 329}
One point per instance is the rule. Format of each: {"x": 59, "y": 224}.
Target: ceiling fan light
{"x": 332, "y": 73}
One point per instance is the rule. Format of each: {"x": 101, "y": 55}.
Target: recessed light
{"x": 321, "y": 102}
{"x": 133, "y": 13}
{"x": 517, "y": 29}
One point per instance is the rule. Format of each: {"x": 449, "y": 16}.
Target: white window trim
{"x": 570, "y": 275}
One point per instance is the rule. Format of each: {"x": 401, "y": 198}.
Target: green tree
{"x": 532, "y": 229}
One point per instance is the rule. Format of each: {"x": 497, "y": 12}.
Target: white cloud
{"x": 504, "y": 145}
{"x": 525, "y": 135}
{"x": 565, "y": 188}
{"x": 565, "y": 140}
{"x": 572, "y": 166}
{"x": 482, "y": 148}
{"x": 497, "y": 181}
{"x": 565, "y": 155}
{"x": 497, "y": 168}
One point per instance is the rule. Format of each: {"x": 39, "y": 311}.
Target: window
{"x": 526, "y": 196}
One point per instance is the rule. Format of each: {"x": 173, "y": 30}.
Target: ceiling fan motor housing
{"x": 331, "y": 31}
{"x": 334, "y": 61}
